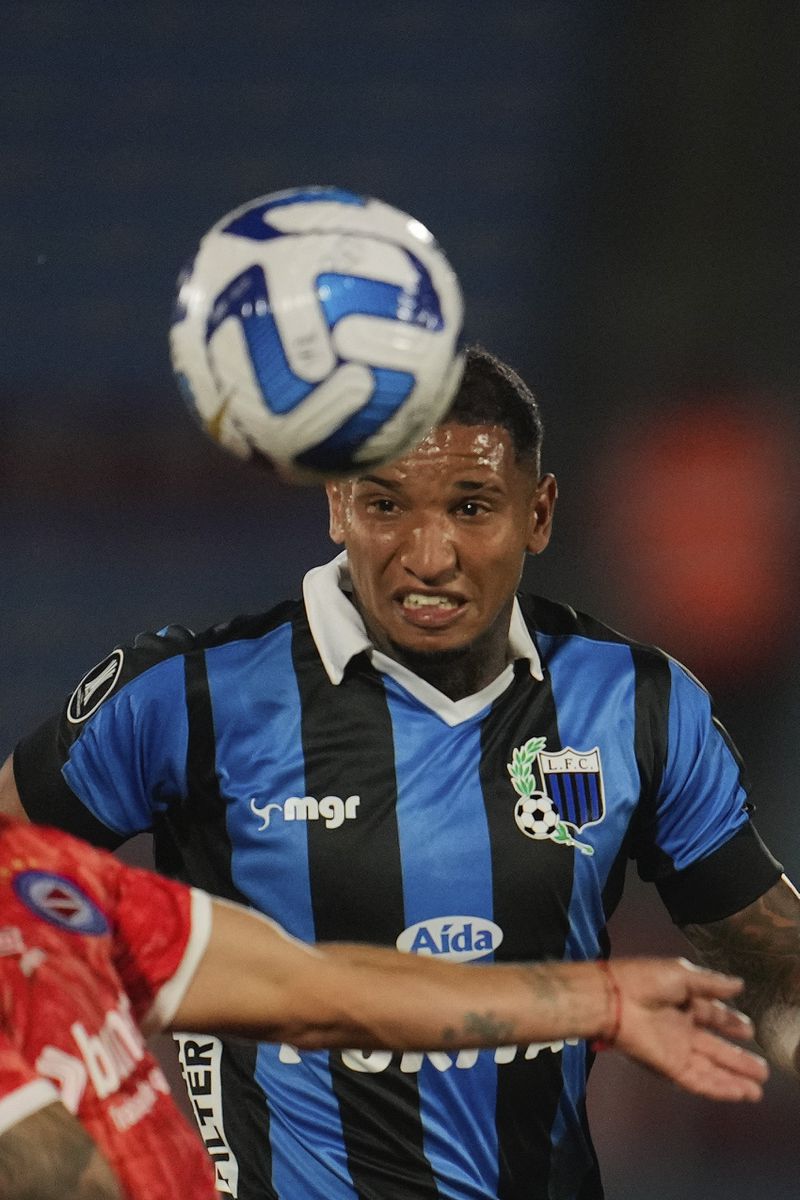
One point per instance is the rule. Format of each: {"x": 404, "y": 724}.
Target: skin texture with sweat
{"x": 436, "y": 543}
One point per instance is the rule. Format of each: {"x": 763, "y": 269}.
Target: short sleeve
{"x": 160, "y": 929}
{"x": 699, "y": 846}
{"x": 116, "y": 753}
{"x": 723, "y": 883}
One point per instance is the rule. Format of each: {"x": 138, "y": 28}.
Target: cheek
{"x": 375, "y": 544}
{"x": 501, "y": 552}
{"x": 369, "y": 555}
{"x": 497, "y": 565}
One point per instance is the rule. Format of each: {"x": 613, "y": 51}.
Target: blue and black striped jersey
{"x": 360, "y": 810}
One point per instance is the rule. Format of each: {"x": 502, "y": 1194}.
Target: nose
{"x": 429, "y": 552}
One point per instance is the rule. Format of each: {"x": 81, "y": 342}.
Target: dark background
{"x": 616, "y": 186}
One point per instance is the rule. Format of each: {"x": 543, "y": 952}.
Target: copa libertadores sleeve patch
{"x": 95, "y": 687}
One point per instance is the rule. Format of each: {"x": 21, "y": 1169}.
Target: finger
{"x": 716, "y": 1083}
{"x": 731, "y": 1058}
{"x": 713, "y": 1071}
{"x": 714, "y": 1015}
{"x": 702, "y": 982}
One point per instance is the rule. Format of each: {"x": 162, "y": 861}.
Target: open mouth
{"x": 423, "y": 600}
{"x": 429, "y": 609}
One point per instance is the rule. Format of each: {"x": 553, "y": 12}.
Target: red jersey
{"x": 92, "y": 952}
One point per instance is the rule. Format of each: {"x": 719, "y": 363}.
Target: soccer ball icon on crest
{"x": 536, "y": 815}
{"x": 318, "y": 330}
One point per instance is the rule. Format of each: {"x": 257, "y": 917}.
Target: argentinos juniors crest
{"x": 560, "y": 792}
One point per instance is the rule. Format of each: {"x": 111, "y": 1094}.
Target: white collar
{"x": 339, "y": 634}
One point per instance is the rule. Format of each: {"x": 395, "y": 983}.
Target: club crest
{"x": 60, "y": 902}
{"x": 560, "y": 792}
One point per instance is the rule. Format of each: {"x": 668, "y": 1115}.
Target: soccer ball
{"x": 536, "y": 816}
{"x": 318, "y": 329}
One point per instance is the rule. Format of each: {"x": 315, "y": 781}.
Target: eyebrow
{"x": 477, "y": 485}
{"x": 464, "y": 485}
{"x": 381, "y": 482}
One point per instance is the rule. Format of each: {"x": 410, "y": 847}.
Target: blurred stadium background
{"x": 616, "y": 186}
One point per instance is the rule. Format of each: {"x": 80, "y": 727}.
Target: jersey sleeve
{"x": 115, "y": 755}
{"x": 160, "y": 932}
{"x": 699, "y": 845}
{"x": 23, "y": 1092}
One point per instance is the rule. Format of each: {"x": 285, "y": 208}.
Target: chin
{"x": 428, "y": 652}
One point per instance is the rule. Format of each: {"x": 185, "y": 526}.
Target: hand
{"x": 672, "y": 1018}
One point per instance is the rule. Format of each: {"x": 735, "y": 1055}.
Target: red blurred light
{"x": 704, "y": 525}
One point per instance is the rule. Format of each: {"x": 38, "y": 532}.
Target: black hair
{"x": 491, "y": 393}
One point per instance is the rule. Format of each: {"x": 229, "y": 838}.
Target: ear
{"x": 543, "y": 506}
{"x": 336, "y": 509}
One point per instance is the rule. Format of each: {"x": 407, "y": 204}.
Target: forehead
{"x": 455, "y": 449}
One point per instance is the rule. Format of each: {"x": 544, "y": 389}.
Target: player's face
{"x": 436, "y": 541}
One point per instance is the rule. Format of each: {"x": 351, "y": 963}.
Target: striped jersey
{"x": 282, "y": 762}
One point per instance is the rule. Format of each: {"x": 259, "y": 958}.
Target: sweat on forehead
{"x": 484, "y": 446}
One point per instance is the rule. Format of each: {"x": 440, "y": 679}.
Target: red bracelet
{"x": 614, "y": 1004}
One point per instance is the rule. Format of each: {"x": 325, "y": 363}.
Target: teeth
{"x": 418, "y": 600}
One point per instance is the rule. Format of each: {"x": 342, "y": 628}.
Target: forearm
{"x": 254, "y": 981}
{"x": 356, "y": 995}
{"x": 10, "y": 803}
{"x": 385, "y": 1000}
{"x": 762, "y": 945}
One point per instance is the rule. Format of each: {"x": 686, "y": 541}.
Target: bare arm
{"x": 10, "y": 803}
{"x": 362, "y": 996}
{"x": 762, "y": 945}
{"x": 50, "y": 1156}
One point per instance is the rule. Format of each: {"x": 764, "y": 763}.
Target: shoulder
{"x": 659, "y": 678}
{"x": 153, "y": 660}
{"x": 148, "y": 649}
{"x": 552, "y": 619}
{"x": 247, "y": 628}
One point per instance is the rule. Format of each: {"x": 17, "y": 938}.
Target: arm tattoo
{"x": 49, "y": 1156}
{"x": 550, "y": 994}
{"x": 485, "y": 1025}
{"x": 762, "y": 944}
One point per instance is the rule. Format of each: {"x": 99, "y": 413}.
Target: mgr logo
{"x": 333, "y": 810}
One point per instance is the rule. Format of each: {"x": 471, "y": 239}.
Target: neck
{"x": 455, "y": 673}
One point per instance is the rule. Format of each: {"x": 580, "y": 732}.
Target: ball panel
{"x": 330, "y": 404}
{"x": 257, "y": 219}
{"x": 409, "y": 425}
{"x": 335, "y": 453}
{"x": 245, "y": 302}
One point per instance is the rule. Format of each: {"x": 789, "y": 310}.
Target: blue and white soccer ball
{"x": 318, "y": 329}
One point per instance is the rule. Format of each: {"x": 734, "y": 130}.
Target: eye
{"x": 471, "y": 508}
{"x": 382, "y": 504}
